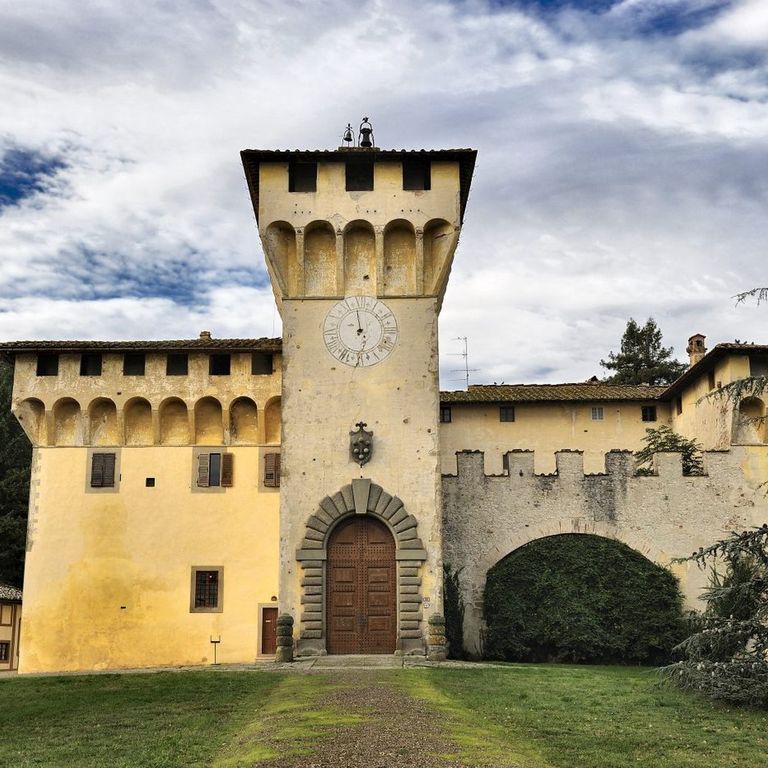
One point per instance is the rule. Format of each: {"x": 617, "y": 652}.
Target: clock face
{"x": 360, "y": 331}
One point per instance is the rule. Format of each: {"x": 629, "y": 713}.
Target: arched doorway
{"x": 361, "y": 601}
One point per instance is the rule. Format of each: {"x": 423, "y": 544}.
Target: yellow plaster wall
{"x": 545, "y": 428}
{"x": 108, "y": 575}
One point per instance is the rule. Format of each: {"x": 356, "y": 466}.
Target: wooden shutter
{"x": 109, "y": 470}
{"x": 202, "y": 470}
{"x": 227, "y": 470}
{"x": 97, "y": 470}
{"x": 272, "y": 470}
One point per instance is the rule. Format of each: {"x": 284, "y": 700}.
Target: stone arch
{"x": 439, "y": 241}
{"x": 174, "y": 422}
{"x": 273, "y": 420}
{"x": 281, "y": 252}
{"x": 359, "y": 259}
{"x": 319, "y": 259}
{"x": 750, "y": 421}
{"x": 67, "y": 422}
{"x": 244, "y": 417}
{"x": 361, "y": 497}
{"x": 31, "y": 416}
{"x": 399, "y": 258}
{"x": 138, "y": 422}
{"x": 209, "y": 422}
{"x": 102, "y": 422}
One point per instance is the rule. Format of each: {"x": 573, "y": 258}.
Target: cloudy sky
{"x": 622, "y": 167}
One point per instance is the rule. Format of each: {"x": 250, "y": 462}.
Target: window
{"x": 271, "y": 470}
{"x": 219, "y": 365}
{"x": 416, "y": 174}
{"x": 506, "y": 413}
{"x": 133, "y": 364}
{"x": 302, "y": 177}
{"x": 48, "y": 364}
{"x": 711, "y": 380}
{"x": 215, "y": 470}
{"x": 90, "y": 364}
{"x": 445, "y": 414}
{"x": 758, "y": 366}
{"x": 5, "y": 651}
{"x": 177, "y": 364}
{"x": 649, "y": 413}
{"x": 103, "y": 470}
{"x": 261, "y": 364}
{"x": 359, "y": 175}
{"x": 597, "y": 413}
{"x": 679, "y": 405}
{"x": 207, "y": 589}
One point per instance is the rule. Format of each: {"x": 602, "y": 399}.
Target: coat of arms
{"x": 361, "y": 444}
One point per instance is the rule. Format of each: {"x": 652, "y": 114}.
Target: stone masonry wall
{"x": 663, "y": 516}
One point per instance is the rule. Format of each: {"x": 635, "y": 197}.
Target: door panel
{"x": 269, "y": 630}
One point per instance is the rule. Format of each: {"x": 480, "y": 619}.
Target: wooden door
{"x": 268, "y": 630}
{"x": 360, "y": 591}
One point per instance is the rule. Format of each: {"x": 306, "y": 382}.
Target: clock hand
{"x": 359, "y": 324}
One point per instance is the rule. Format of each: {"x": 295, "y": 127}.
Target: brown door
{"x": 362, "y": 605}
{"x": 269, "y": 630}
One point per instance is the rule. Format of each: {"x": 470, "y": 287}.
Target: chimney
{"x": 206, "y": 335}
{"x": 696, "y": 349}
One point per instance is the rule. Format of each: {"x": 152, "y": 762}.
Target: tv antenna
{"x": 466, "y": 370}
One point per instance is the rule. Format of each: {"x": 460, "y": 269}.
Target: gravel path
{"x": 398, "y": 730}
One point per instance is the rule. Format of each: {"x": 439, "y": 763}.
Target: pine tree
{"x": 642, "y": 359}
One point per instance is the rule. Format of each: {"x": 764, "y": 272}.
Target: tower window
{"x": 417, "y": 174}
{"x": 506, "y": 413}
{"x": 597, "y": 413}
{"x": 103, "y": 470}
{"x": 359, "y": 175}
{"x": 302, "y": 177}
{"x": 219, "y": 365}
{"x": 48, "y": 364}
{"x": 445, "y": 414}
{"x": 177, "y": 364}
{"x": 679, "y": 405}
{"x": 261, "y": 364}
{"x": 90, "y": 364}
{"x": 649, "y": 412}
{"x": 215, "y": 470}
{"x": 133, "y": 364}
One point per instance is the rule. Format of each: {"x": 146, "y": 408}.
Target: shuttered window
{"x": 215, "y": 469}
{"x": 103, "y": 470}
{"x": 272, "y": 470}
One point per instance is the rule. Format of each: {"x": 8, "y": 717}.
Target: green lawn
{"x": 522, "y": 715}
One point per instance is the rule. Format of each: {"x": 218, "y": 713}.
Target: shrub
{"x": 584, "y": 599}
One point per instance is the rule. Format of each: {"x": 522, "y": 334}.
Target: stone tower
{"x": 359, "y": 243}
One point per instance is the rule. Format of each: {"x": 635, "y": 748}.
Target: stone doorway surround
{"x": 361, "y": 497}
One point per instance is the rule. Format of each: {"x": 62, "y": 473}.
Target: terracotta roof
{"x": 10, "y": 348}
{"x": 530, "y": 393}
{"x": 708, "y": 361}
{"x": 7, "y": 592}
{"x": 253, "y": 157}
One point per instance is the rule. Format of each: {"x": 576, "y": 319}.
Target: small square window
{"x": 506, "y": 413}
{"x": 302, "y": 177}
{"x": 5, "y": 651}
{"x": 359, "y": 175}
{"x": 445, "y": 414}
{"x": 416, "y": 174}
{"x": 597, "y": 413}
{"x": 261, "y": 364}
{"x": 219, "y": 365}
{"x": 90, "y": 364}
{"x": 48, "y": 364}
{"x": 649, "y": 412}
{"x": 133, "y": 363}
{"x": 150, "y": 482}
{"x": 177, "y": 364}
{"x": 207, "y": 589}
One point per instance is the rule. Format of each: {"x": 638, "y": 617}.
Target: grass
{"x": 522, "y": 715}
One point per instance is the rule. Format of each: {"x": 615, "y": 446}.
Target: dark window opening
{"x": 261, "y": 364}
{"x": 48, "y": 364}
{"x": 103, "y": 470}
{"x": 5, "y": 651}
{"x": 711, "y": 380}
{"x": 177, "y": 364}
{"x": 359, "y": 175}
{"x": 417, "y": 175}
{"x": 758, "y": 366}
{"x": 302, "y": 177}
{"x": 206, "y": 589}
{"x": 506, "y": 413}
{"x": 445, "y": 414}
{"x": 90, "y": 364}
{"x": 133, "y": 363}
{"x": 150, "y": 482}
{"x": 679, "y": 405}
{"x": 649, "y": 413}
{"x": 219, "y": 365}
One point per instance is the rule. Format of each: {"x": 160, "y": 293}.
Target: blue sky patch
{"x": 24, "y": 172}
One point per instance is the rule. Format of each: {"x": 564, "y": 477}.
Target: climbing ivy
{"x": 584, "y": 599}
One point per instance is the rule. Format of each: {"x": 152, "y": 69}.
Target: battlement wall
{"x": 663, "y": 516}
